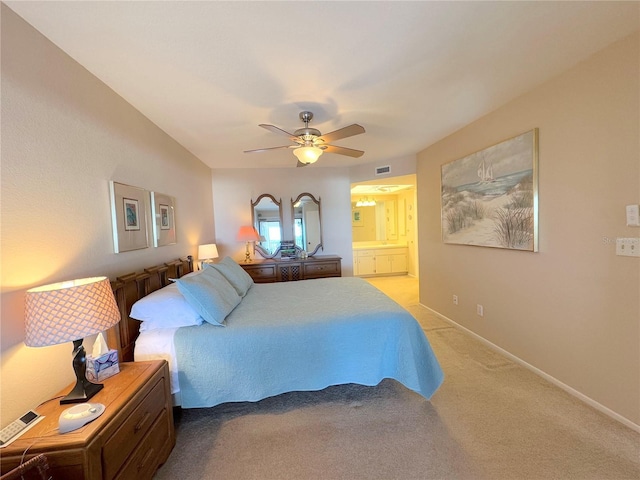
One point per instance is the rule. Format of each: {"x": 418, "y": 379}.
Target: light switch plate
{"x": 628, "y": 247}
{"x": 633, "y": 215}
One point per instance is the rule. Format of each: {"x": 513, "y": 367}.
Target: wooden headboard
{"x": 130, "y": 288}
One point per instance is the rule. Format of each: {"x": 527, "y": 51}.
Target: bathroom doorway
{"x": 384, "y": 227}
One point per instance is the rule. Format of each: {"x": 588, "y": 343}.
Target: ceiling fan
{"x": 310, "y": 143}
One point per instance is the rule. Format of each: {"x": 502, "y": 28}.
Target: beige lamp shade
{"x": 208, "y": 251}
{"x": 68, "y": 311}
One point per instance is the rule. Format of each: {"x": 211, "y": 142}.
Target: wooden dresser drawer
{"x": 322, "y": 269}
{"x": 120, "y": 445}
{"x": 287, "y": 270}
{"x": 144, "y": 462}
{"x": 261, "y": 274}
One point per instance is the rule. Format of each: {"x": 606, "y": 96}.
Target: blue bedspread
{"x": 304, "y": 336}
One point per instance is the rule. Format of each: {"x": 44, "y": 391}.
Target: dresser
{"x": 130, "y": 440}
{"x": 280, "y": 270}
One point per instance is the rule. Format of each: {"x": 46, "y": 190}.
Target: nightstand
{"x": 130, "y": 440}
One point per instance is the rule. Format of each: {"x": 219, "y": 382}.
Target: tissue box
{"x": 102, "y": 367}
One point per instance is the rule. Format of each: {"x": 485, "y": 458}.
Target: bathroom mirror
{"x": 377, "y": 222}
{"x": 266, "y": 217}
{"x": 307, "y": 224}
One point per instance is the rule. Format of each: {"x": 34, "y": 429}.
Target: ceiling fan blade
{"x": 269, "y": 148}
{"x": 345, "y": 132}
{"x": 350, "y": 152}
{"x": 274, "y": 129}
{"x": 300, "y": 164}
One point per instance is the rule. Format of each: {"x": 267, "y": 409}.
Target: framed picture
{"x": 128, "y": 217}
{"x": 163, "y": 214}
{"x": 356, "y": 218}
{"x": 490, "y": 198}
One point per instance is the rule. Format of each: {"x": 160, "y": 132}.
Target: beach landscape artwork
{"x": 490, "y": 198}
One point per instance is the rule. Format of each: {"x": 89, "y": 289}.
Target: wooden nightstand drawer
{"x": 142, "y": 463}
{"x": 128, "y": 436}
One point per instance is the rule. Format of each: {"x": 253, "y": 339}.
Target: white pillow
{"x": 165, "y": 308}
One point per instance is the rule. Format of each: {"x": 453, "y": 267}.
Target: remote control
{"x": 18, "y": 427}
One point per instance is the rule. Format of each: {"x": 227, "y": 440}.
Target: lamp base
{"x": 247, "y": 255}
{"x": 82, "y": 393}
{"x": 84, "y": 389}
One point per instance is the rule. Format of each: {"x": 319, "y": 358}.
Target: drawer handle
{"x": 141, "y": 423}
{"x": 141, "y": 465}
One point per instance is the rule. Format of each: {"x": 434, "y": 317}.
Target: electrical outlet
{"x": 480, "y": 310}
{"x": 455, "y": 299}
{"x": 628, "y": 247}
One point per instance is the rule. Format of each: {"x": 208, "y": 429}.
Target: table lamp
{"x": 248, "y": 234}
{"x": 206, "y": 253}
{"x": 69, "y": 311}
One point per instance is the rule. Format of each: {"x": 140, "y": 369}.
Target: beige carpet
{"x": 491, "y": 419}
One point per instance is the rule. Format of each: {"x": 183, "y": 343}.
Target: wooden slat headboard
{"x": 131, "y": 287}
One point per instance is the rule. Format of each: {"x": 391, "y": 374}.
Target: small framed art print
{"x": 164, "y": 224}
{"x": 128, "y": 217}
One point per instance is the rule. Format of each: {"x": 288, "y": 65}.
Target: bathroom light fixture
{"x": 69, "y": 311}
{"x": 307, "y": 155}
{"x": 366, "y": 203}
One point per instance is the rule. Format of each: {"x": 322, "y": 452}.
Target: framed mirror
{"x": 307, "y": 223}
{"x": 266, "y": 217}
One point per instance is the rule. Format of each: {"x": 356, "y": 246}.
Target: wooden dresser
{"x": 279, "y": 270}
{"x": 130, "y": 440}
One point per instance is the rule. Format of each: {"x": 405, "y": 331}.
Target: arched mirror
{"x": 266, "y": 217}
{"x": 307, "y": 224}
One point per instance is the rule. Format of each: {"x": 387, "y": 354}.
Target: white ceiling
{"x": 209, "y": 72}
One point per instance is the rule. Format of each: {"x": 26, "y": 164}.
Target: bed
{"x": 274, "y": 338}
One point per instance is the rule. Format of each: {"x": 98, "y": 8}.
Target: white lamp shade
{"x": 67, "y": 311}
{"x": 307, "y": 155}
{"x": 208, "y": 251}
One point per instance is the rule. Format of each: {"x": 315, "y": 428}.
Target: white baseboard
{"x": 589, "y": 401}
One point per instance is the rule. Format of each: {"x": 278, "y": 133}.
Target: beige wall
{"x": 573, "y": 309}
{"x": 64, "y": 136}
{"x": 234, "y": 189}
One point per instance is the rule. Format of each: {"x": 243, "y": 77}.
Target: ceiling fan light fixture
{"x": 307, "y": 155}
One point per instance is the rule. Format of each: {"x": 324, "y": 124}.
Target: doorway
{"x": 384, "y": 215}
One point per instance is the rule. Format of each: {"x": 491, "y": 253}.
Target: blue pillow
{"x": 234, "y": 273}
{"x": 209, "y": 294}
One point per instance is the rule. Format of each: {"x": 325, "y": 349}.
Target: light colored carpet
{"x": 490, "y": 419}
